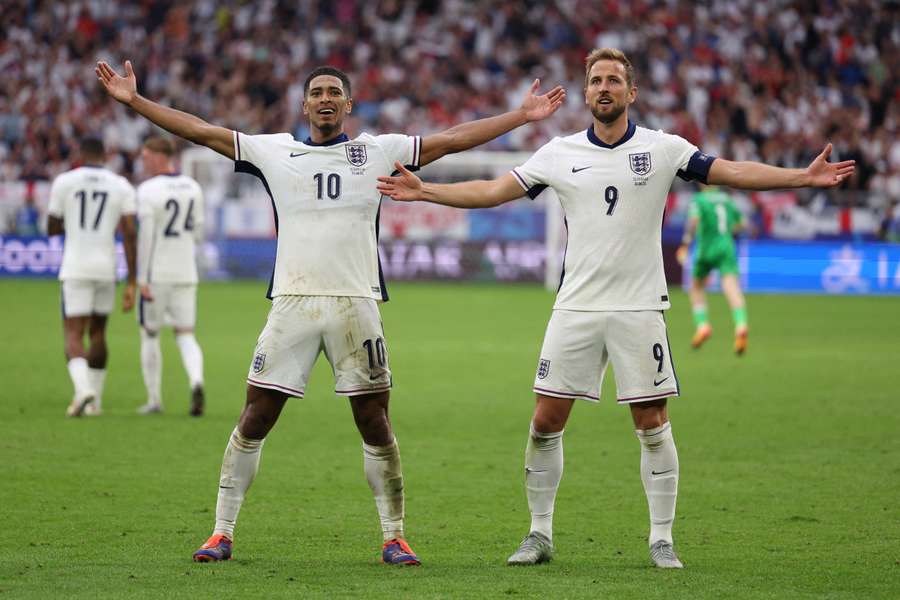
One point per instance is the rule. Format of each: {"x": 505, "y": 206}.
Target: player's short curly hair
{"x": 334, "y": 72}
{"x": 598, "y": 54}
{"x": 92, "y": 147}
{"x": 161, "y": 145}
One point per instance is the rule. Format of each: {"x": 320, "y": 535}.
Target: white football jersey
{"x": 170, "y": 217}
{"x": 326, "y": 208}
{"x": 614, "y": 197}
{"x": 90, "y": 200}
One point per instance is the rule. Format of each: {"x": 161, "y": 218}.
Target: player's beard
{"x": 330, "y": 130}
{"x": 608, "y": 117}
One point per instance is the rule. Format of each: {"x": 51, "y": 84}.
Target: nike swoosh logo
{"x": 296, "y": 154}
{"x": 574, "y": 170}
{"x": 527, "y": 470}
{"x": 656, "y": 383}
{"x": 661, "y": 472}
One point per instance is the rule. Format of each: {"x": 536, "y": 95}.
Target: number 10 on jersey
{"x": 329, "y": 185}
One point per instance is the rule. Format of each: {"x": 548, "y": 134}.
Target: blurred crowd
{"x": 769, "y": 80}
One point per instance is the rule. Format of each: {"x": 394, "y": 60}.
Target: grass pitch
{"x": 790, "y": 460}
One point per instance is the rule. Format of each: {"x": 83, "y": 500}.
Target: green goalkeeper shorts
{"x": 721, "y": 258}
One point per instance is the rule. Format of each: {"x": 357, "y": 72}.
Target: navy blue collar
{"x": 93, "y": 166}
{"x": 629, "y": 133}
{"x": 175, "y": 174}
{"x": 336, "y": 140}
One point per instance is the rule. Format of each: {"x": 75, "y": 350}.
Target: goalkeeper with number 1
{"x": 715, "y": 220}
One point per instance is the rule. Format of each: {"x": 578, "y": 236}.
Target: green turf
{"x": 790, "y": 460}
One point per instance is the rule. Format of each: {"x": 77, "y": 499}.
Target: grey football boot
{"x": 536, "y": 548}
{"x": 663, "y": 555}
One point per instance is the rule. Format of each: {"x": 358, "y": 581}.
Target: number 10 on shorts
{"x": 377, "y": 354}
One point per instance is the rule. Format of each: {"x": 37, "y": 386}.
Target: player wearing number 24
{"x": 327, "y": 278}
{"x": 612, "y": 181}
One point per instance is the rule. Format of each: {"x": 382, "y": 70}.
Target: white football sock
{"x": 659, "y": 473}
{"x": 239, "y": 467}
{"x": 151, "y": 365}
{"x": 385, "y": 477}
{"x": 191, "y": 357}
{"x": 81, "y": 379}
{"x": 543, "y": 472}
{"x": 98, "y": 379}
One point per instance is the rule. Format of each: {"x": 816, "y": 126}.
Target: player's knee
{"x": 649, "y": 415}
{"x": 547, "y": 423}
{"x": 255, "y": 424}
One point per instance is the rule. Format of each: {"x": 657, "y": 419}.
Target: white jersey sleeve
{"x": 405, "y": 149}
{"x": 685, "y": 159}
{"x": 58, "y": 191}
{"x": 538, "y": 171}
{"x": 146, "y": 233}
{"x": 258, "y": 149}
{"x": 129, "y": 197}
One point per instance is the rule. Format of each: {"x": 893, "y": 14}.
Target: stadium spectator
{"x": 741, "y": 77}
{"x": 27, "y": 216}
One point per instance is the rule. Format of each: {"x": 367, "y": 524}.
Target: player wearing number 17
{"x": 612, "y": 181}
{"x": 88, "y": 205}
{"x": 327, "y": 279}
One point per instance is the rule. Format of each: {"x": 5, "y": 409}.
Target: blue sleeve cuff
{"x": 697, "y": 168}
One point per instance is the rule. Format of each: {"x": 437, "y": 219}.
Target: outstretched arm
{"x": 474, "y": 133}
{"x": 406, "y": 187}
{"x": 758, "y": 176}
{"x": 182, "y": 124}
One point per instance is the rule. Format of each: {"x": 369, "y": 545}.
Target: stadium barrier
{"x": 766, "y": 266}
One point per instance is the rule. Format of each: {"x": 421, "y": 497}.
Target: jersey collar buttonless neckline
{"x": 629, "y": 133}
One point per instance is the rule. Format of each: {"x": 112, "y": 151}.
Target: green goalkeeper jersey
{"x": 717, "y": 216}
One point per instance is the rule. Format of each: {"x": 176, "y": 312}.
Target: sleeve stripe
{"x": 237, "y": 145}
{"x": 417, "y": 150}
{"x": 520, "y": 180}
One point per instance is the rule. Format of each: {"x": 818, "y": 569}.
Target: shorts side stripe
{"x": 672, "y": 360}
{"x": 276, "y": 387}
{"x": 650, "y": 397}
{"x": 361, "y": 391}
{"x": 558, "y": 394}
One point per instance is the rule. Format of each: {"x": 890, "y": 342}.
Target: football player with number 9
{"x": 612, "y": 180}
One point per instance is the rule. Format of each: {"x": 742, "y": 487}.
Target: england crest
{"x": 639, "y": 163}
{"x": 356, "y": 154}
{"x": 259, "y": 361}
{"x": 543, "y": 368}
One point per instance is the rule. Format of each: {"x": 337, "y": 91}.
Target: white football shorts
{"x": 173, "y": 304}
{"x": 348, "y": 329}
{"x": 85, "y": 297}
{"x": 578, "y": 346}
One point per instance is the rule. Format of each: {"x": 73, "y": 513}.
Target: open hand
{"x": 123, "y": 89}
{"x": 405, "y": 187}
{"x": 822, "y": 173}
{"x": 541, "y": 107}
